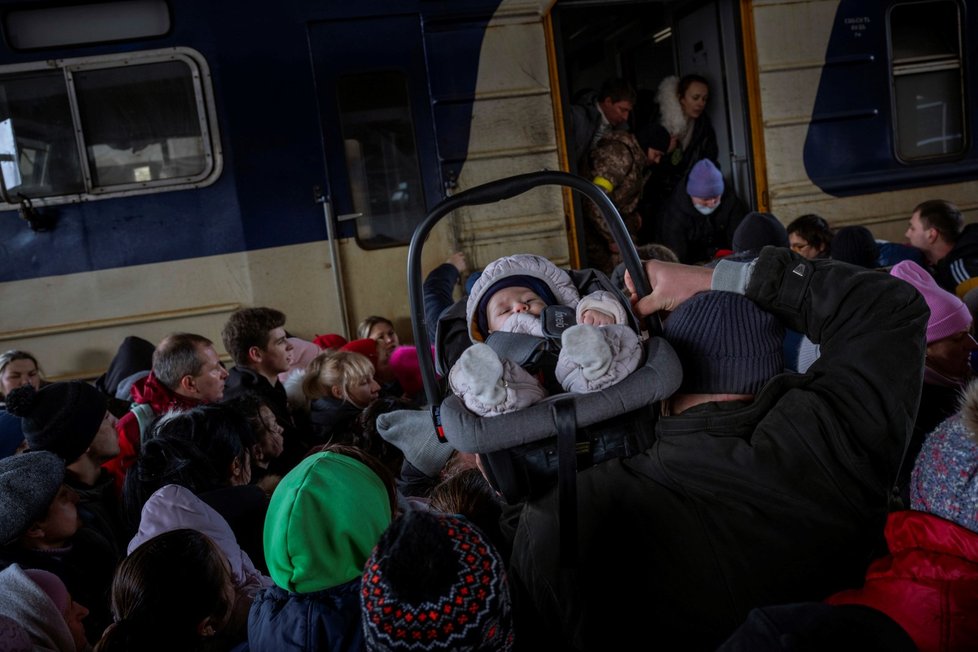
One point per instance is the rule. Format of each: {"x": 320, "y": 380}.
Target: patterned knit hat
{"x": 944, "y": 481}
{"x": 28, "y": 484}
{"x": 61, "y": 417}
{"x": 727, "y": 345}
{"x": 434, "y": 582}
{"x": 948, "y": 314}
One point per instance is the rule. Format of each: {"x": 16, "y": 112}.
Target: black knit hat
{"x": 61, "y": 417}
{"x": 434, "y": 582}
{"x": 655, "y": 136}
{"x": 758, "y": 230}
{"x": 855, "y": 245}
{"x": 28, "y": 484}
{"x": 726, "y": 344}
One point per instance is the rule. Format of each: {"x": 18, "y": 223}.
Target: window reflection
{"x": 381, "y": 157}
{"x": 928, "y": 103}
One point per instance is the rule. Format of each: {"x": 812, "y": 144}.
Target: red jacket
{"x": 161, "y": 399}
{"x": 928, "y": 583}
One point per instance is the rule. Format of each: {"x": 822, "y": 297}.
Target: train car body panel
{"x": 825, "y": 92}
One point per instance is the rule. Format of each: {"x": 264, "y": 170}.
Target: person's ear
{"x": 205, "y": 629}
{"x": 35, "y": 531}
{"x": 188, "y": 385}
{"x": 932, "y": 235}
{"x": 255, "y": 354}
{"x": 336, "y": 392}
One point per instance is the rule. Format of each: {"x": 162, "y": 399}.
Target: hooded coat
{"x": 325, "y": 517}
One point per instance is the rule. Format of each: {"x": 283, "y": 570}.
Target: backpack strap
{"x": 144, "y": 416}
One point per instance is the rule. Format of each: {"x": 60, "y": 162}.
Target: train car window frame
{"x": 381, "y": 152}
{"x": 141, "y": 148}
{"x": 925, "y": 68}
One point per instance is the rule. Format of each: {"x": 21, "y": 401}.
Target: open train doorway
{"x": 646, "y": 41}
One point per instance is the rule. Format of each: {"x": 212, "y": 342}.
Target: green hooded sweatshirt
{"x": 324, "y": 519}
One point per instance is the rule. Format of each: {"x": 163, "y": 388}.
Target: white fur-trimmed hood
{"x": 671, "y": 112}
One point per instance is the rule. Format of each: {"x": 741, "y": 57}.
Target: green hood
{"x": 324, "y": 519}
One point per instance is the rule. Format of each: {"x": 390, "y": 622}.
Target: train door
{"x": 706, "y": 41}
{"x": 644, "y": 42}
{"x": 378, "y": 144}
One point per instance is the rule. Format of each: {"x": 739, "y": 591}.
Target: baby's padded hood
{"x": 538, "y": 267}
{"x": 324, "y": 519}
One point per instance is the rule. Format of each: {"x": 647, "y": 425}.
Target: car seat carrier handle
{"x": 492, "y": 192}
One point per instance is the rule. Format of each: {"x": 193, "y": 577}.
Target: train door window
{"x": 381, "y": 156}
{"x": 925, "y": 49}
{"x": 122, "y": 124}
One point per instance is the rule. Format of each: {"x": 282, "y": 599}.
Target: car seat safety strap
{"x": 565, "y": 420}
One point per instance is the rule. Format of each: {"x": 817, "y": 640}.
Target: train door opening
{"x": 646, "y": 41}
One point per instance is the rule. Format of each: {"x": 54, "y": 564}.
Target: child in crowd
{"x": 266, "y": 433}
{"x": 425, "y": 563}
{"x": 173, "y": 592}
{"x": 324, "y": 519}
{"x": 510, "y": 296}
{"x": 341, "y": 384}
{"x": 173, "y": 508}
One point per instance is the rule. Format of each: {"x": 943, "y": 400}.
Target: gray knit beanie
{"x": 726, "y": 344}
{"x": 61, "y": 417}
{"x": 28, "y": 484}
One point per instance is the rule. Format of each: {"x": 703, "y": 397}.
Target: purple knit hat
{"x": 948, "y": 314}
{"x": 704, "y": 181}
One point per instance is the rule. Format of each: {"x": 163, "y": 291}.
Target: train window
{"x": 381, "y": 157}
{"x": 118, "y": 124}
{"x": 925, "y": 49}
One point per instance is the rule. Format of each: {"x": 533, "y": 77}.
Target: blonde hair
{"x": 367, "y": 325}
{"x": 331, "y": 369}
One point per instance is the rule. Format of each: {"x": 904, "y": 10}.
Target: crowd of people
{"x": 810, "y": 480}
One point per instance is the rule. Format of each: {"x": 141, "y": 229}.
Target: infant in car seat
{"x": 598, "y": 347}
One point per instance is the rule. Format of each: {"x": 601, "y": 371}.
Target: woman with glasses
{"x": 811, "y": 236}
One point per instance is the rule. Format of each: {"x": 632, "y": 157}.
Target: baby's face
{"x": 509, "y": 300}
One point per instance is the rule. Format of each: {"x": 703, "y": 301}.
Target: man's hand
{"x": 672, "y": 283}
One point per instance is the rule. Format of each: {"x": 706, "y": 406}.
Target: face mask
{"x": 705, "y": 210}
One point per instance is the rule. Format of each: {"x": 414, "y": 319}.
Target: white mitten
{"x": 593, "y": 358}
{"x": 478, "y": 373}
{"x": 586, "y": 347}
{"x": 488, "y": 385}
